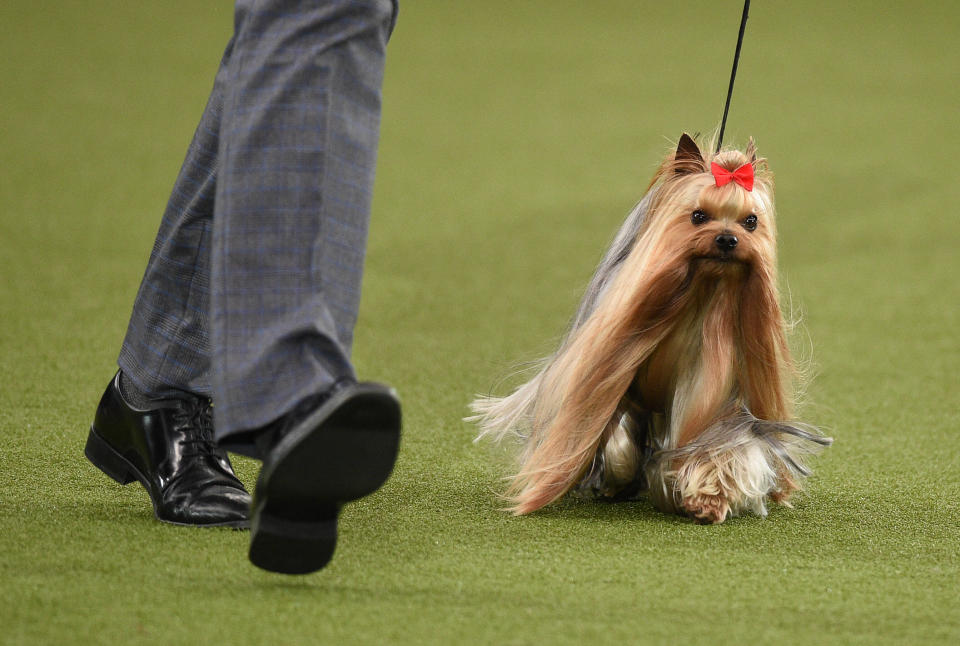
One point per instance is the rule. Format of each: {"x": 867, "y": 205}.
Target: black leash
{"x": 733, "y": 73}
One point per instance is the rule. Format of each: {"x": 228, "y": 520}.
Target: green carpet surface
{"x": 515, "y": 138}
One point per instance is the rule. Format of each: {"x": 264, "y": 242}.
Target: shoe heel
{"x": 107, "y": 460}
{"x": 293, "y": 546}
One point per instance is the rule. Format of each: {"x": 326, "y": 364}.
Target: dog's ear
{"x": 751, "y": 151}
{"x": 688, "y": 158}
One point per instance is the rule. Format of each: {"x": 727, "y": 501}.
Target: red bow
{"x": 742, "y": 176}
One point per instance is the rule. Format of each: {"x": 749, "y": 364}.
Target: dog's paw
{"x": 785, "y": 488}
{"x": 707, "y": 510}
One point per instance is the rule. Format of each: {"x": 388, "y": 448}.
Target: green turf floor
{"x": 516, "y": 135}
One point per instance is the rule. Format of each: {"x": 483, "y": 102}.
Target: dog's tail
{"x": 499, "y": 417}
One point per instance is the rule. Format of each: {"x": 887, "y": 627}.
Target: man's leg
{"x": 298, "y": 147}
{"x": 154, "y": 422}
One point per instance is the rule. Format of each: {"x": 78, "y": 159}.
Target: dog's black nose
{"x": 726, "y": 241}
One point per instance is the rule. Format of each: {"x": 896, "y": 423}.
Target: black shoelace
{"x": 197, "y": 416}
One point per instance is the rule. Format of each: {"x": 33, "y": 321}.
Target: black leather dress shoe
{"x": 328, "y": 451}
{"x": 170, "y": 449}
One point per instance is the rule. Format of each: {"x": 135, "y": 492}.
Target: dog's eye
{"x": 750, "y": 223}
{"x": 699, "y": 217}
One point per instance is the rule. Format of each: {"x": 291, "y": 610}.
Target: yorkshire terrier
{"x": 675, "y": 377}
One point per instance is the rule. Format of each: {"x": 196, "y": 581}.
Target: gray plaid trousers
{"x": 252, "y": 289}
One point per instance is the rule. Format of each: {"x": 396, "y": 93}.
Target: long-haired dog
{"x": 675, "y": 376}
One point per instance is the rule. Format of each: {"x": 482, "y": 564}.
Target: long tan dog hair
{"x": 676, "y": 373}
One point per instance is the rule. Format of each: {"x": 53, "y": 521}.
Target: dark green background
{"x": 516, "y": 136}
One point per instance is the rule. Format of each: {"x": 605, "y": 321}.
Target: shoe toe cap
{"x": 212, "y": 505}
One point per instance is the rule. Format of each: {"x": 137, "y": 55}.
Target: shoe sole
{"x": 345, "y": 450}
{"x": 103, "y": 456}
